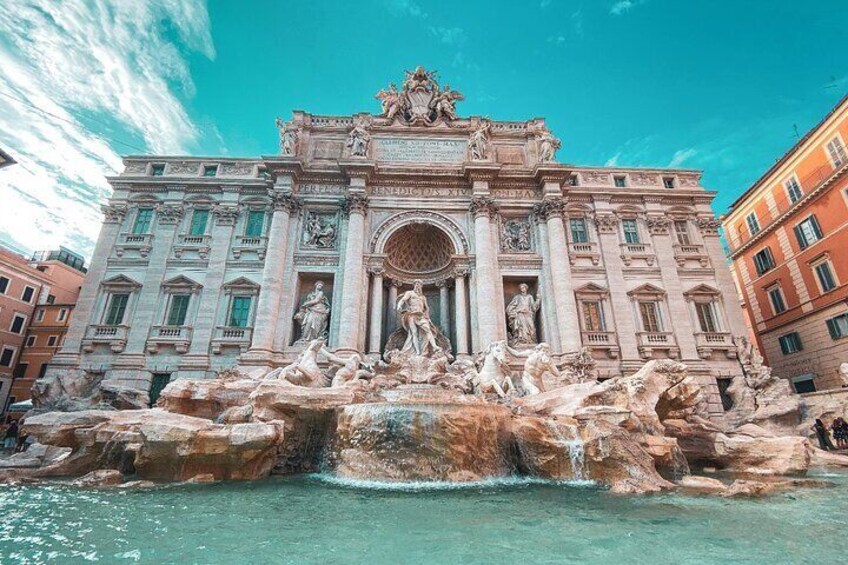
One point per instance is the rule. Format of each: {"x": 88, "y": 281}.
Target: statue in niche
{"x": 358, "y": 140}
{"x": 414, "y": 316}
{"x": 288, "y": 138}
{"x": 313, "y": 315}
{"x": 515, "y": 236}
{"x": 478, "y": 143}
{"x": 521, "y": 314}
{"x": 548, "y": 146}
{"x": 317, "y": 233}
{"x": 539, "y": 362}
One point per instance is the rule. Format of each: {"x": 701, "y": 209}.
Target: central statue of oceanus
{"x": 414, "y": 316}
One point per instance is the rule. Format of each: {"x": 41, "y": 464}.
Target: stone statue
{"x": 515, "y": 236}
{"x": 521, "y": 314}
{"x": 304, "y": 371}
{"x": 548, "y": 146}
{"x": 539, "y": 362}
{"x": 478, "y": 143}
{"x": 444, "y": 103}
{"x": 313, "y": 315}
{"x": 494, "y": 374}
{"x": 319, "y": 234}
{"x": 580, "y": 366}
{"x": 358, "y": 140}
{"x": 349, "y": 373}
{"x": 414, "y": 316}
{"x": 392, "y": 102}
{"x": 843, "y": 373}
{"x": 288, "y": 138}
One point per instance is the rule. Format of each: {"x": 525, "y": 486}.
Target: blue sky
{"x": 715, "y": 85}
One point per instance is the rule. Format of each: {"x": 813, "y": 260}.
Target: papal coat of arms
{"x": 420, "y": 101}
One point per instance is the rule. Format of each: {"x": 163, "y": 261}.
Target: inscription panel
{"x": 412, "y": 150}
{"x": 420, "y": 191}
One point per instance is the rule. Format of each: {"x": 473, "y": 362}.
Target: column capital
{"x": 658, "y": 224}
{"x": 708, "y": 225}
{"x": 606, "y": 223}
{"x": 283, "y": 200}
{"x": 483, "y": 206}
{"x": 226, "y": 214}
{"x": 460, "y": 272}
{"x": 376, "y": 270}
{"x": 170, "y": 213}
{"x": 355, "y": 204}
{"x": 444, "y": 283}
{"x": 550, "y": 208}
{"x": 113, "y": 213}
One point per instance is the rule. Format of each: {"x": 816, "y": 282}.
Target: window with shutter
{"x": 179, "y": 309}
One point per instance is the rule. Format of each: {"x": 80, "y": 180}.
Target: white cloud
{"x": 613, "y": 161}
{"x": 405, "y": 8}
{"x": 621, "y": 7}
{"x": 68, "y": 66}
{"x": 544, "y": 4}
{"x": 449, "y": 35}
{"x": 680, "y": 156}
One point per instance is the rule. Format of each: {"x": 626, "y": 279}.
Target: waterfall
{"x": 574, "y": 445}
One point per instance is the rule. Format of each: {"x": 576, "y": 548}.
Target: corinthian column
{"x": 444, "y": 311}
{"x": 391, "y": 316}
{"x": 461, "y": 307}
{"x": 376, "y": 333}
{"x": 489, "y": 319}
{"x": 566, "y": 306}
{"x": 268, "y": 305}
{"x": 355, "y": 207}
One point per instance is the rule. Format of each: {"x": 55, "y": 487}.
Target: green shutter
{"x": 816, "y": 228}
{"x": 799, "y": 235}
{"x": 179, "y": 309}
{"x": 255, "y": 221}
{"x": 198, "y": 222}
{"x": 117, "y": 308}
{"x": 833, "y": 328}
{"x": 240, "y": 312}
{"x": 142, "y": 221}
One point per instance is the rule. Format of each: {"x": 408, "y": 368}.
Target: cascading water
{"x": 574, "y": 445}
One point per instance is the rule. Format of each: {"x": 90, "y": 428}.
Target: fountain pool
{"x": 315, "y": 519}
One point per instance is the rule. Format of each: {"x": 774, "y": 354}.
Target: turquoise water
{"x": 312, "y": 520}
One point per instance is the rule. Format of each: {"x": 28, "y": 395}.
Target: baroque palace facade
{"x": 207, "y": 263}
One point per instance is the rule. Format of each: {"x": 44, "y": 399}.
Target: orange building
{"x": 37, "y": 297}
{"x": 788, "y": 238}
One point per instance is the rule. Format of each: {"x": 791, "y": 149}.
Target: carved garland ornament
{"x": 708, "y": 226}
{"x": 657, "y": 225}
{"x": 113, "y": 213}
{"x": 606, "y": 223}
{"x": 225, "y": 215}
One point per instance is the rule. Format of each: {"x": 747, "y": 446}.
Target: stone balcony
{"x": 177, "y": 336}
{"x": 707, "y": 342}
{"x": 227, "y": 336}
{"x": 584, "y": 252}
{"x": 637, "y": 252}
{"x": 250, "y": 244}
{"x": 691, "y": 253}
{"x": 113, "y": 336}
{"x": 193, "y": 244}
{"x": 649, "y": 342}
{"x": 140, "y": 243}
{"x": 601, "y": 340}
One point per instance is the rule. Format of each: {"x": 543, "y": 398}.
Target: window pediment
{"x": 120, "y": 282}
{"x": 241, "y": 285}
{"x": 591, "y": 290}
{"x": 647, "y": 290}
{"x": 702, "y": 290}
{"x": 181, "y": 283}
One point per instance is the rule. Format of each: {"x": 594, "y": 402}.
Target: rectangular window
{"x": 19, "y": 373}
{"x": 63, "y": 313}
{"x": 179, "y": 309}
{"x": 825, "y": 275}
{"x": 808, "y": 232}
{"x": 39, "y": 316}
{"x": 572, "y": 181}
{"x": 27, "y": 294}
{"x": 753, "y": 223}
{"x": 51, "y": 299}
{"x": 778, "y": 305}
{"x": 117, "y": 308}
{"x": 707, "y": 316}
{"x": 6, "y": 357}
{"x": 578, "y": 230}
{"x": 157, "y": 385}
{"x": 240, "y": 312}
{"x": 210, "y": 170}
{"x": 42, "y": 370}
{"x": 631, "y": 231}
{"x": 17, "y": 326}
{"x": 837, "y": 152}
{"x": 30, "y": 342}
{"x": 51, "y": 341}
{"x": 619, "y": 181}
{"x": 4, "y": 284}
{"x": 668, "y": 182}
{"x": 764, "y": 261}
{"x": 255, "y": 223}
{"x": 793, "y": 189}
{"x": 838, "y": 326}
{"x": 142, "y": 221}
{"x": 157, "y": 170}
{"x": 650, "y": 313}
{"x": 790, "y": 343}
{"x": 681, "y": 228}
{"x": 593, "y": 317}
{"x": 199, "y": 219}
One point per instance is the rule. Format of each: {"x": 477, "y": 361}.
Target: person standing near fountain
{"x": 313, "y": 315}
{"x": 414, "y": 315}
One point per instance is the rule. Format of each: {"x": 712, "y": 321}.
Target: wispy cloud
{"x": 405, "y": 8}
{"x": 681, "y": 156}
{"x": 623, "y": 6}
{"x": 67, "y": 65}
{"x": 449, "y": 35}
{"x": 613, "y": 161}
{"x": 544, "y": 4}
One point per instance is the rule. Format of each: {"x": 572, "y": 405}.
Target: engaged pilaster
{"x": 489, "y": 320}
{"x": 553, "y": 209}
{"x": 461, "y": 308}
{"x": 376, "y": 333}
{"x": 355, "y": 206}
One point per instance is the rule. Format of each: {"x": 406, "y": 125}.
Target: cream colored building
{"x": 203, "y": 262}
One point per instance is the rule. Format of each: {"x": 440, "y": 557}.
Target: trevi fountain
{"x": 401, "y": 423}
